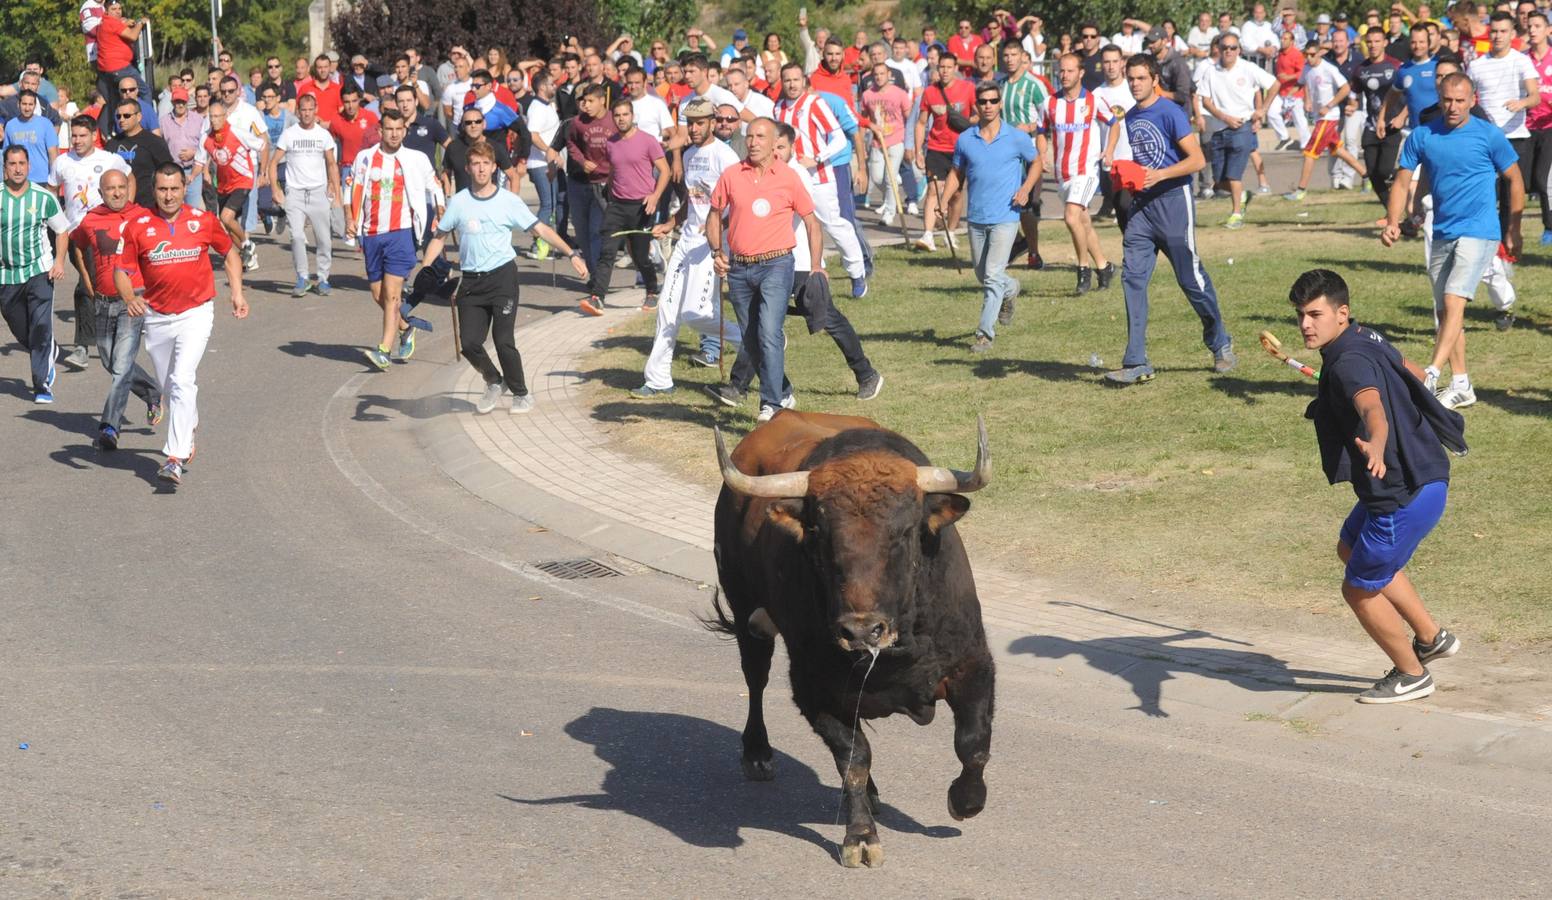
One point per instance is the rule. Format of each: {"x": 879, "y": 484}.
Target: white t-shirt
{"x": 1323, "y": 80}
{"x": 759, "y": 104}
{"x": 703, "y": 165}
{"x": 1130, "y": 44}
{"x": 79, "y": 180}
{"x": 1234, "y": 90}
{"x": 1499, "y": 80}
{"x": 543, "y": 122}
{"x": 306, "y": 167}
{"x": 1031, "y": 41}
{"x": 1120, "y": 100}
{"x": 453, "y": 95}
{"x": 1197, "y": 39}
{"x": 652, "y": 115}
{"x": 1254, "y": 35}
{"x": 801, "y": 261}
{"x": 717, "y": 94}
{"x": 1211, "y": 123}
{"x": 908, "y": 71}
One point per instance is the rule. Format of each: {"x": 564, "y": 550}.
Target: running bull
{"x": 839, "y": 535}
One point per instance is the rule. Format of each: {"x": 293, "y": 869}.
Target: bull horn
{"x": 784, "y": 485}
{"x": 936, "y": 479}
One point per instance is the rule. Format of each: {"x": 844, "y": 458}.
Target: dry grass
{"x": 1197, "y": 492}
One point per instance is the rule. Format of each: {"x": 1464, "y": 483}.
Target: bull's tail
{"x": 720, "y": 621}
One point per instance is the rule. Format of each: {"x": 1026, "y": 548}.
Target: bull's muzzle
{"x": 864, "y": 631}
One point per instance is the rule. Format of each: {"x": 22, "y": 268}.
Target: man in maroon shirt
{"x": 638, "y": 176}
{"x": 588, "y": 145}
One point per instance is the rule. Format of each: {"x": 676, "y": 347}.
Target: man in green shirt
{"x": 29, "y": 266}
{"x": 1024, "y": 100}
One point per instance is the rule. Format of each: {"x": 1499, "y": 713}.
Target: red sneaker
{"x": 592, "y": 306}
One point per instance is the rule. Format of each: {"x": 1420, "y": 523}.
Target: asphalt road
{"x": 321, "y": 668}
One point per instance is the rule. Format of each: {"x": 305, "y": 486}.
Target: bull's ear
{"x": 943, "y": 509}
{"x": 788, "y": 516}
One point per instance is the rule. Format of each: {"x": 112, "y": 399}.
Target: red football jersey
{"x": 173, "y": 257}
{"x": 355, "y": 135}
{"x": 231, "y": 159}
{"x": 97, "y": 237}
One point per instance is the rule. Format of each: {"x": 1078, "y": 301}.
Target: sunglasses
{"x": 726, "y": 120}
{"x": 124, "y": 117}
{"x": 229, "y": 90}
{"x": 479, "y": 84}
{"x": 468, "y": 122}
{"x": 988, "y": 101}
{"x": 274, "y": 65}
{"x": 129, "y": 90}
{"x": 1091, "y": 37}
{"x": 1230, "y": 47}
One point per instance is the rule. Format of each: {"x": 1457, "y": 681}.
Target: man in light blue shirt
{"x": 484, "y": 215}
{"x": 989, "y": 161}
{"x": 37, "y": 135}
{"x": 1465, "y": 156}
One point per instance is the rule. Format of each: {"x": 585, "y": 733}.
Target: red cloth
{"x": 760, "y": 211}
{"x": 173, "y": 257}
{"x": 231, "y": 160}
{"x": 839, "y": 83}
{"x": 1290, "y": 65}
{"x": 328, "y": 95}
{"x": 114, "y": 52}
{"x": 964, "y": 49}
{"x": 1128, "y": 175}
{"x": 961, "y": 94}
{"x": 355, "y": 135}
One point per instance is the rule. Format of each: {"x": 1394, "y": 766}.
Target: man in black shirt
{"x": 144, "y": 151}
{"x": 1174, "y": 72}
{"x": 1380, "y": 143}
{"x": 1379, "y": 428}
{"x": 425, "y": 132}
{"x": 455, "y": 155}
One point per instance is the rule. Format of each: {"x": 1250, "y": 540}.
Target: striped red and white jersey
{"x": 1073, "y": 125}
{"x": 377, "y": 194}
{"x": 817, "y": 131}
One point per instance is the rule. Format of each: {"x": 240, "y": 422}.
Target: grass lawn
{"x": 1196, "y": 492}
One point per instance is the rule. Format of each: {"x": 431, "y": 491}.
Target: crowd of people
{"x": 755, "y": 160}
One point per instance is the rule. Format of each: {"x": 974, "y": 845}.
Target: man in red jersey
{"x": 324, "y": 88}
{"x": 225, "y": 154}
{"x": 94, "y": 248}
{"x": 169, "y": 246}
{"x": 354, "y": 129}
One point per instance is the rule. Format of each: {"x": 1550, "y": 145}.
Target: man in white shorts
{"x": 691, "y": 292}
{"x": 1073, "y": 119}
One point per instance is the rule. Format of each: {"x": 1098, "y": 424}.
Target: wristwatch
{"x": 574, "y": 253}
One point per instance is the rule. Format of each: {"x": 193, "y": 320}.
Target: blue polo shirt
{"x": 1463, "y": 166}
{"x": 1418, "y": 85}
{"x": 993, "y": 172}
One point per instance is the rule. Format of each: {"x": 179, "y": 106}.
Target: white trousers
{"x": 175, "y": 344}
{"x": 883, "y": 167}
{"x": 827, "y": 209}
{"x": 1292, "y": 107}
{"x": 692, "y": 296}
{"x": 1352, "y": 140}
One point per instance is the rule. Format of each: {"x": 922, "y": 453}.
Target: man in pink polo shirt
{"x": 760, "y": 196}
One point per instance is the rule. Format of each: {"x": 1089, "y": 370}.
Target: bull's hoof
{"x": 759, "y": 770}
{"x": 856, "y": 853}
{"x": 966, "y": 798}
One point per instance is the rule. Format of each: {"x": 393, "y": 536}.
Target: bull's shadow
{"x": 1145, "y": 662}
{"x": 681, "y": 774}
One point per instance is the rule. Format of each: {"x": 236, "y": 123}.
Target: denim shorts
{"x": 1383, "y": 543}
{"x": 1230, "y": 150}
{"x": 1456, "y": 267}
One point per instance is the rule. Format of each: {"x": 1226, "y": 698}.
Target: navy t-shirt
{"x": 1359, "y": 359}
{"x": 1155, "y": 132}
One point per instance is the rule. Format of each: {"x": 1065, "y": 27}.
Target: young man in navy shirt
{"x": 1379, "y": 428}
{"x": 1162, "y": 217}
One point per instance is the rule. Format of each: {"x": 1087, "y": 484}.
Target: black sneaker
{"x": 1398, "y": 687}
{"x": 1444, "y": 645}
{"x": 108, "y": 439}
{"x": 1085, "y": 280}
{"x": 726, "y": 394}
{"x": 699, "y": 358}
{"x": 1106, "y": 275}
{"x": 869, "y": 387}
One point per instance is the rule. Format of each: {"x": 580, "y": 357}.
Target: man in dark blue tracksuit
{"x": 1162, "y": 217}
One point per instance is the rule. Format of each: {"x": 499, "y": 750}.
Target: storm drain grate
{"x": 573, "y": 569}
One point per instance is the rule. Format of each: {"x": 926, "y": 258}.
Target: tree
{"x": 648, "y": 20}
{"x": 381, "y": 29}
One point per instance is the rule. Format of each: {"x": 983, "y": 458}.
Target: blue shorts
{"x": 389, "y": 254}
{"x": 1383, "y": 543}
{"x": 1230, "y": 149}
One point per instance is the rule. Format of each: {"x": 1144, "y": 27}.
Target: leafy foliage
{"x": 646, "y": 20}
{"x": 381, "y": 29}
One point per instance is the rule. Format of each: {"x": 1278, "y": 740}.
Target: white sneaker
{"x": 350, "y": 243}
{"x": 911, "y": 209}
{"x": 523, "y": 404}
{"x": 887, "y": 219}
{"x": 1456, "y": 397}
{"x": 489, "y": 399}
{"x": 789, "y": 402}
{"x": 1431, "y": 379}
{"x": 766, "y": 413}
{"x": 925, "y": 242}
{"x": 953, "y": 243}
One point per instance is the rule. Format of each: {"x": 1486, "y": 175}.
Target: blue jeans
{"x": 587, "y": 218}
{"x": 1168, "y": 223}
{"x": 194, "y": 194}
{"x": 1230, "y": 149}
{"x": 759, "y": 293}
{"x": 118, "y": 341}
{"x": 545, "y": 188}
{"x": 990, "y": 246}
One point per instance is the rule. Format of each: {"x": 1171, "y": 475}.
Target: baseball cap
{"x": 179, "y": 93}
{"x": 1341, "y": 17}
{"x": 1128, "y": 174}
{"x": 699, "y": 108}
{"x": 386, "y": 81}
{"x": 1323, "y": 19}
{"x": 1157, "y": 34}
{"x": 740, "y": 35}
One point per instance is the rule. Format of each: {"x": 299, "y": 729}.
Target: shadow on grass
{"x": 1250, "y": 392}
{"x": 1145, "y": 662}
{"x": 995, "y": 367}
{"x": 641, "y": 343}
{"x": 694, "y": 408}
{"x": 1523, "y": 402}
{"x": 681, "y": 774}
{"x": 959, "y": 341}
